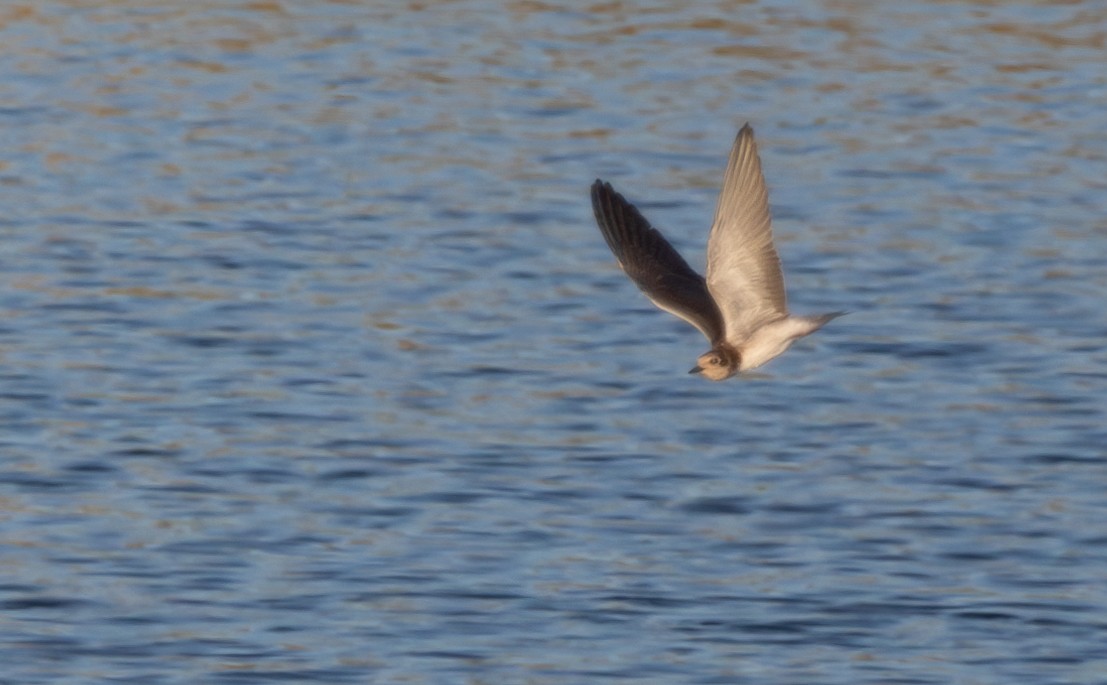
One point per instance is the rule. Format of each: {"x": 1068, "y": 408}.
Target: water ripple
{"x": 317, "y": 370}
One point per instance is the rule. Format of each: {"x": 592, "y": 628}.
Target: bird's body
{"x": 741, "y": 306}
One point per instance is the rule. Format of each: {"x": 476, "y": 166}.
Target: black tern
{"x": 741, "y": 306}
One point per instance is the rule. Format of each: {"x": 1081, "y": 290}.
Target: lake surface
{"x": 315, "y": 367}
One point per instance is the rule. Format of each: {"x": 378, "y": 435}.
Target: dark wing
{"x": 653, "y": 264}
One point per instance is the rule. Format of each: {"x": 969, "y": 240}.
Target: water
{"x": 316, "y": 368}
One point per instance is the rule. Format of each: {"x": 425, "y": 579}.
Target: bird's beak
{"x": 696, "y": 369}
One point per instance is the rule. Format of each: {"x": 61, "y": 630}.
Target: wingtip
{"x": 744, "y": 137}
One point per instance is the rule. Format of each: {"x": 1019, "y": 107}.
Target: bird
{"x": 741, "y": 306}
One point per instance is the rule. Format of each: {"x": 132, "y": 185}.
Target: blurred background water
{"x": 316, "y": 369}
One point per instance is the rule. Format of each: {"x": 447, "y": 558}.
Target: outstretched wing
{"x": 653, "y": 264}
{"x": 743, "y": 269}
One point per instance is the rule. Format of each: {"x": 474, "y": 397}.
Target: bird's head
{"x": 718, "y": 364}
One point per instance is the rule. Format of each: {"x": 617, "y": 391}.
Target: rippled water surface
{"x": 316, "y": 369}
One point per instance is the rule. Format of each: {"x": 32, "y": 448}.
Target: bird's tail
{"x": 814, "y": 323}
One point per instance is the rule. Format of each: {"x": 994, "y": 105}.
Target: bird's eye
{"x": 716, "y": 361}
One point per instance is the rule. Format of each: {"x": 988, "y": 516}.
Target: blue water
{"x": 316, "y": 369}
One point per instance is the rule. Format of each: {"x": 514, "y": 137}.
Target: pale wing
{"x": 743, "y": 270}
{"x": 653, "y": 264}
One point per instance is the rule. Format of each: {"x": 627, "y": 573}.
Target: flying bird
{"x": 741, "y": 306}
